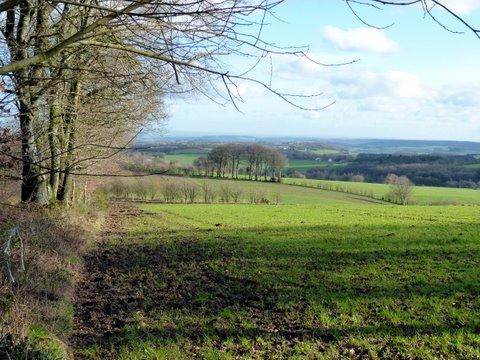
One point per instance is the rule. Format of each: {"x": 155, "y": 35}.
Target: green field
{"x": 187, "y": 158}
{"x": 326, "y": 151}
{"x": 151, "y": 190}
{"x": 288, "y": 194}
{"x": 288, "y": 281}
{"x": 184, "y": 158}
{"x": 303, "y": 165}
{"x": 427, "y": 195}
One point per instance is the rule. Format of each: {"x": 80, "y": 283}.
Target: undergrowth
{"x": 36, "y": 311}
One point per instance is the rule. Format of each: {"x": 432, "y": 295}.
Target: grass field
{"x": 427, "y": 195}
{"x": 184, "y": 159}
{"x": 151, "y": 190}
{"x": 303, "y": 165}
{"x": 288, "y": 194}
{"x": 326, "y": 151}
{"x": 289, "y": 281}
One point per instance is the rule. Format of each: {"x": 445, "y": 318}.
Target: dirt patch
{"x": 95, "y": 292}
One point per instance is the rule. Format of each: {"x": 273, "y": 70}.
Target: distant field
{"x": 184, "y": 158}
{"x": 187, "y": 158}
{"x": 473, "y": 166}
{"x": 306, "y": 164}
{"x": 287, "y": 282}
{"x": 326, "y": 151}
{"x": 421, "y": 194}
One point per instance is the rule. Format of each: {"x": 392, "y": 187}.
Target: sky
{"x": 413, "y": 80}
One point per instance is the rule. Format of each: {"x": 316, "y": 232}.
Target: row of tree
{"x": 253, "y": 160}
{"x": 185, "y": 191}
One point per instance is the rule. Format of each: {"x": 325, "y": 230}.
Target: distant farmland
{"x": 184, "y": 158}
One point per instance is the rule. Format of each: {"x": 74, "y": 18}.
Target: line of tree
{"x": 232, "y": 160}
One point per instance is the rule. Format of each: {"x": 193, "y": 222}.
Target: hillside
{"x": 422, "y": 195}
{"x": 288, "y": 194}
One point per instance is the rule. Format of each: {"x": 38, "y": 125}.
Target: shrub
{"x": 257, "y": 197}
{"x": 277, "y": 198}
{"x": 401, "y": 189}
{"x": 357, "y": 178}
{"x": 225, "y": 193}
{"x": 209, "y": 194}
{"x": 171, "y": 192}
{"x": 190, "y": 192}
{"x": 236, "y": 193}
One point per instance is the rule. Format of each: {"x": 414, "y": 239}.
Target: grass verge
{"x": 37, "y": 310}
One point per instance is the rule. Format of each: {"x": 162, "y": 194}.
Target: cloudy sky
{"x": 413, "y": 80}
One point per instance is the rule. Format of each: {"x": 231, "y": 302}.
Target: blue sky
{"x": 414, "y": 80}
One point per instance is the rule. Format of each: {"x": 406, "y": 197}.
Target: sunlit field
{"x": 428, "y": 195}
{"x": 287, "y": 281}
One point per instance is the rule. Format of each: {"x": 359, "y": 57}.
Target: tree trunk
{"x": 64, "y": 189}
{"x": 54, "y": 144}
{"x": 34, "y": 185}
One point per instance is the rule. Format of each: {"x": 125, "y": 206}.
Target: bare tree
{"x": 401, "y": 189}
{"x": 225, "y": 192}
{"x": 236, "y": 192}
{"x": 171, "y": 192}
{"x": 190, "y": 191}
{"x": 108, "y": 57}
{"x": 209, "y": 194}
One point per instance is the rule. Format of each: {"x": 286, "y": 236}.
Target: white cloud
{"x": 370, "y": 84}
{"x": 467, "y": 96}
{"x": 360, "y": 39}
{"x": 462, "y": 6}
{"x": 248, "y": 90}
{"x": 300, "y": 67}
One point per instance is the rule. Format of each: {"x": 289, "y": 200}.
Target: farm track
{"x": 99, "y": 307}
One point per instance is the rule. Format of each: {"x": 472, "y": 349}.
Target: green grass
{"x": 292, "y": 281}
{"x": 184, "y": 158}
{"x": 306, "y": 164}
{"x": 288, "y": 194}
{"x": 427, "y": 195}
